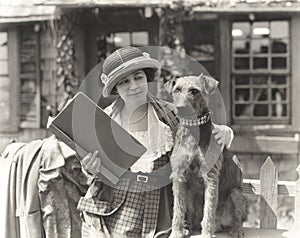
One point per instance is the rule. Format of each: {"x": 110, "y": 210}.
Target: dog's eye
{"x": 177, "y": 90}
{"x": 194, "y": 91}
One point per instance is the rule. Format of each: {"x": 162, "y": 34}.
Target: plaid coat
{"x": 132, "y": 208}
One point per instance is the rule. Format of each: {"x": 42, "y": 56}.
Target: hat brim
{"x": 140, "y": 64}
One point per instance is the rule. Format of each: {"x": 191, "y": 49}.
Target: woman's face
{"x": 133, "y": 88}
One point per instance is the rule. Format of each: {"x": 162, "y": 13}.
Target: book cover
{"x": 85, "y": 127}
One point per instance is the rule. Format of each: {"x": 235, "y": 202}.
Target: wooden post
{"x": 297, "y": 201}
{"x": 268, "y": 197}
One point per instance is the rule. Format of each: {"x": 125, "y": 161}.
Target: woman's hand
{"x": 223, "y": 135}
{"x": 91, "y": 163}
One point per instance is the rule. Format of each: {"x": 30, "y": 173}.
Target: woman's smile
{"x": 134, "y": 93}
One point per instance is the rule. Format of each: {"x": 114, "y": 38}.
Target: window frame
{"x": 269, "y": 72}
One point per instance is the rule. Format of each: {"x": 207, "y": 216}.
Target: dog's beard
{"x": 187, "y": 112}
{"x": 190, "y": 113}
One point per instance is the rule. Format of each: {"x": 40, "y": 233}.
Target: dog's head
{"x": 190, "y": 94}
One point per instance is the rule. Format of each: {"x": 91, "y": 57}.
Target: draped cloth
{"x": 43, "y": 183}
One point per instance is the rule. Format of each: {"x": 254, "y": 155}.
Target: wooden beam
{"x": 224, "y": 64}
{"x": 266, "y": 144}
{"x": 14, "y": 75}
{"x": 38, "y": 96}
{"x": 295, "y": 79}
{"x": 286, "y": 188}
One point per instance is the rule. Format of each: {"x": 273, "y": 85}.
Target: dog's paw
{"x": 180, "y": 234}
{"x": 237, "y": 233}
{"x": 206, "y": 235}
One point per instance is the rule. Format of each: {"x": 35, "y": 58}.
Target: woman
{"x": 132, "y": 208}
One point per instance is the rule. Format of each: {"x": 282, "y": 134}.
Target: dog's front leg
{"x": 179, "y": 209}
{"x": 210, "y": 203}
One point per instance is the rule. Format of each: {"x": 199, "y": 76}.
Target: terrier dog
{"x": 206, "y": 177}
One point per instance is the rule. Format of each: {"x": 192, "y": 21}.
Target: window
{"x": 108, "y": 43}
{"x": 261, "y": 72}
{"x": 20, "y": 98}
{"x": 121, "y": 39}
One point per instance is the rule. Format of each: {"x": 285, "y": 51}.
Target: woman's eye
{"x": 194, "y": 91}
{"x": 123, "y": 82}
{"x": 138, "y": 78}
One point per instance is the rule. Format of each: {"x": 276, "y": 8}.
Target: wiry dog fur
{"x": 215, "y": 197}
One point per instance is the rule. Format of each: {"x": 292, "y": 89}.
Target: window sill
{"x": 266, "y": 144}
{"x": 271, "y": 129}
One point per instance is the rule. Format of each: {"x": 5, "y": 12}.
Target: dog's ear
{"x": 210, "y": 84}
{"x": 169, "y": 85}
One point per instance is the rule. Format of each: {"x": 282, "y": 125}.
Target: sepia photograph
{"x": 149, "y": 118}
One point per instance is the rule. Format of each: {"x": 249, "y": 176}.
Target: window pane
{"x": 122, "y": 39}
{"x": 279, "y": 94}
{"x": 242, "y": 110}
{"x": 3, "y": 53}
{"x": 242, "y": 95}
{"x": 3, "y": 67}
{"x": 279, "y": 46}
{"x": 27, "y": 67}
{"x": 3, "y": 38}
{"x": 241, "y": 29}
{"x": 278, "y": 79}
{"x": 240, "y": 46}
{"x": 242, "y": 80}
{"x": 260, "y": 46}
{"x": 260, "y": 110}
{"x": 28, "y": 86}
{"x": 241, "y": 63}
{"x": 279, "y": 63}
{"x": 260, "y": 80}
{"x": 279, "y": 29}
{"x": 260, "y": 94}
{"x": 260, "y": 29}
{"x": 140, "y": 38}
{"x": 260, "y": 63}
{"x": 279, "y": 110}
{"x": 109, "y": 39}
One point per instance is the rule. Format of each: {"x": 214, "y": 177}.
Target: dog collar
{"x": 195, "y": 122}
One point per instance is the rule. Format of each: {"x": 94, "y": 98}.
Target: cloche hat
{"x": 121, "y": 63}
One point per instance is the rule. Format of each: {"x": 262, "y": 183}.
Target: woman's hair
{"x": 150, "y": 74}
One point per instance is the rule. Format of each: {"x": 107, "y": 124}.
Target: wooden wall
{"x": 47, "y": 88}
